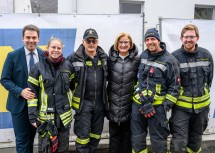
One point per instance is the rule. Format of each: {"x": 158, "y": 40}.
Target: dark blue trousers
{"x": 24, "y": 132}
{"x": 158, "y": 130}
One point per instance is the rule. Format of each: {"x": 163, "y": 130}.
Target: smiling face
{"x": 30, "y": 39}
{"x": 189, "y": 40}
{"x": 153, "y": 44}
{"x": 55, "y": 49}
{"x": 124, "y": 45}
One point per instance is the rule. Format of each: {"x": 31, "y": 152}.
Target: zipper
{"x": 95, "y": 87}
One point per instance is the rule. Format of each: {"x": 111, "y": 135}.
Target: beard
{"x": 189, "y": 46}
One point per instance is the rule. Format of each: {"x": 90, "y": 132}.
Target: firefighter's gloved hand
{"x": 167, "y": 105}
{"x": 52, "y": 131}
{"x": 147, "y": 110}
{"x": 42, "y": 129}
{"x": 54, "y": 143}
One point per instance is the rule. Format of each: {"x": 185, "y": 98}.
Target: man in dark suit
{"x": 14, "y": 79}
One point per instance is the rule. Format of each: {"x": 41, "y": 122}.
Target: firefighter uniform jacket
{"x": 80, "y": 65}
{"x": 158, "y": 77}
{"x": 52, "y": 90}
{"x": 196, "y": 70}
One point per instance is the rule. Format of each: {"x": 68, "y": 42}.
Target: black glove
{"x": 147, "y": 110}
{"x": 42, "y": 129}
{"x": 167, "y": 105}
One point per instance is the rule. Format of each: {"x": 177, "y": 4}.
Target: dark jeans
{"x": 120, "y": 137}
{"x": 187, "y": 130}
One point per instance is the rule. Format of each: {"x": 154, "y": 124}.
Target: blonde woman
{"x": 50, "y": 110}
{"x": 122, "y": 76}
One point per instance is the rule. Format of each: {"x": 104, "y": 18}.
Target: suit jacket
{"x": 14, "y": 79}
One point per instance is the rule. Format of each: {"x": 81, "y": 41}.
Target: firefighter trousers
{"x": 158, "y": 130}
{"x": 187, "y": 130}
{"x": 88, "y": 126}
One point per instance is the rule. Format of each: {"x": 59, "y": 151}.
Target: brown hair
{"x": 31, "y": 27}
{"x": 190, "y": 27}
{"x": 123, "y": 34}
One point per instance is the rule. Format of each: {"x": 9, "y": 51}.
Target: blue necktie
{"x": 31, "y": 61}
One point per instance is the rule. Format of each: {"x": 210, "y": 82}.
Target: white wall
{"x": 183, "y": 9}
{"x": 22, "y": 6}
{"x": 66, "y": 6}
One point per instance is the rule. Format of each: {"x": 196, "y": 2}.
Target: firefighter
{"x": 51, "y": 109}
{"x": 190, "y": 114}
{"x": 89, "y": 92}
{"x": 155, "y": 94}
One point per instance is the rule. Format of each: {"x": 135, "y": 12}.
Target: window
{"x": 131, "y": 7}
{"x": 204, "y": 12}
{"x": 44, "y": 6}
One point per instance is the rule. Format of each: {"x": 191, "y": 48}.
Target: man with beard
{"x": 89, "y": 92}
{"x": 190, "y": 114}
{"x": 155, "y": 94}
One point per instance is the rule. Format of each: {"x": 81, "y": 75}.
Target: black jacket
{"x": 159, "y": 77}
{"x": 53, "y": 95}
{"x": 196, "y": 69}
{"x": 80, "y": 75}
{"x": 122, "y": 77}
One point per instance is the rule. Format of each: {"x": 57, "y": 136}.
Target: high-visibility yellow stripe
{"x": 205, "y": 89}
{"x": 77, "y": 99}
{"x": 69, "y": 95}
{"x": 67, "y": 121}
{"x": 45, "y": 117}
{"x": 157, "y": 102}
{"x": 137, "y": 101}
{"x": 89, "y": 63}
{"x": 191, "y": 151}
{"x": 195, "y": 99}
{"x": 171, "y": 98}
{"x": 158, "y": 88}
{"x": 160, "y": 98}
{"x": 83, "y": 141}
{"x": 43, "y": 96}
{"x": 143, "y": 151}
{"x": 96, "y": 136}
{"x": 75, "y": 105}
{"x": 32, "y": 102}
{"x": 181, "y": 91}
{"x": 33, "y": 81}
{"x": 65, "y": 115}
{"x": 72, "y": 76}
{"x": 99, "y": 62}
{"x": 157, "y": 99}
{"x": 193, "y": 105}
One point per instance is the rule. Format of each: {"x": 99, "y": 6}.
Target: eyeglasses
{"x": 88, "y": 41}
{"x": 191, "y": 37}
{"x": 123, "y": 42}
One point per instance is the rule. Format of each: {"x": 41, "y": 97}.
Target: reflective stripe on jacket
{"x": 158, "y": 77}
{"x": 80, "y": 73}
{"x": 196, "y": 69}
{"x": 52, "y": 90}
